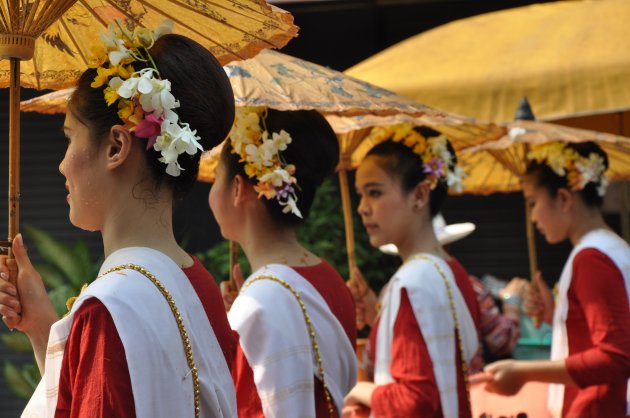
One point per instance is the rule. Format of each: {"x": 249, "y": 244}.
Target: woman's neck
{"x": 421, "y": 239}
{"x": 585, "y": 220}
{"x": 134, "y": 223}
{"x": 264, "y": 244}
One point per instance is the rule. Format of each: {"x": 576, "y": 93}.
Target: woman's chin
{"x": 376, "y": 241}
{"x": 81, "y": 224}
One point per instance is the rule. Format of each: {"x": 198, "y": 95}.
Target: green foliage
{"x": 217, "y": 261}
{"x": 74, "y": 264}
{"x": 16, "y": 341}
{"x": 21, "y": 381}
{"x": 64, "y": 272}
{"x": 323, "y": 233}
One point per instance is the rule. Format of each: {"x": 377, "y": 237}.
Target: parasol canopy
{"x": 498, "y": 166}
{"x": 570, "y": 58}
{"x": 67, "y": 29}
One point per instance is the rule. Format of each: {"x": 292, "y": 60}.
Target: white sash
{"x": 160, "y": 377}
{"x": 275, "y": 340}
{"x": 430, "y": 302}
{"x": 619, "y": 252}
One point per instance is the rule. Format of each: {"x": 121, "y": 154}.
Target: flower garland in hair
{"x": 145, "y": 102}
{"x": 438, "y": 163}
{"x": 260, "y": 150}
{"x": 567, "y": 162}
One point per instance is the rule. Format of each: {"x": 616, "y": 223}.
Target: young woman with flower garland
{"x": 565, "y": 185}
{"x": 426, "y": 332}
{"x": 294, "y": 315}
{"x": 146, "y": 339}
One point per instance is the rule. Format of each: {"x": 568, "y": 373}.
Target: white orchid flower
{"x": 290, "y": 205}
{"x": 277, "y": 177}
{"x": 165, "y": 28}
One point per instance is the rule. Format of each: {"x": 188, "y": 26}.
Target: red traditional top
{"x": 333, "y": 289}
{"x": 414, "y": 392}
{"x": 95, "y": 380}
{"x": 598, "y": 338}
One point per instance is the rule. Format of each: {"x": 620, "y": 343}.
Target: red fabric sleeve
{"x": 206, "y": 288}
{"x": 94, "y": 380}
{"x": 414, "y": 392}
{"x": 247, "y": 400}
{"x": 465, "y": 286}
{"x": 598, "y": 287}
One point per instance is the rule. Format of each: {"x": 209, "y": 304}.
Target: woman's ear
{"x": 243, "y": 192}
{"x": 118, "y": 145}
{"x": 565, "y": 199}
{"x": 420, "y": 196}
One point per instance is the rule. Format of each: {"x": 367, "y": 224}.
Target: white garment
{"x": 275, "y": 340}
{"x": 431, "y": 307}
{"x": 160, "y": 377}
{"x": 619, "y": 252}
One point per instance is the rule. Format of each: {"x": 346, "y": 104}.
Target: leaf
{"x": 52, "y": 277}
{"x": 59, "y": 296}
{"x": 16, "y": 381}
{"x": 16, "y": 341}
{"x": 58, "y": 254}
{"x": 30, "y": 373}
{"x": 82, "y": 255}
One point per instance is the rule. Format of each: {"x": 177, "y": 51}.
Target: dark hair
{"x": 200, "y": 85}
{"x": 314, "y": 150}
{"x": 545, "y": 177}
{"x": 400, "y": 162}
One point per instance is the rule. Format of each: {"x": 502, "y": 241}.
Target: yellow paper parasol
{"x": 569, "y": 58}
{"x": 498, "y": 166}
{"x": 66, "y": 30}
{"x": 53, "y": 38}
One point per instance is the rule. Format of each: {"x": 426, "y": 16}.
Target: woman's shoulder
{"x": 591, "y": 263}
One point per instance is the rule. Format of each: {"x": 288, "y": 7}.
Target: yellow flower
{"x": 265, "y": 189}
{"x": 135, "y": 118}
{"x": 99, "y": 56}
{"x": 110, "y": 96}
{"x": 126, "y": 108}
{"x": 102, "y": 77}
{"x": 73, "y": 299}
{"x": 420, "y": 147}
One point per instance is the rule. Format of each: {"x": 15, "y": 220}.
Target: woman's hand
{"x": 27, "y": 307}
{"x": 512, "y": 296}
{"x": 230, "y": 291}
{"x": 361, "y": 394}
{"x": 364, "y": 298}
{"x": 538, "y": 299}
{"x": 506, "y": 377}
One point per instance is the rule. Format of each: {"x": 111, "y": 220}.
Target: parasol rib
{"x": 36, "y": 73}
{"x": 90, "y": 10}
{"x": 74, "y": 41}
{"x": 4, "y": 17}
{"x": 181, "y": 23}
{"x": 29, "y": 20}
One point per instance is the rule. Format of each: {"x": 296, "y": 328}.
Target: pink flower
{"x": 149, "y": 128}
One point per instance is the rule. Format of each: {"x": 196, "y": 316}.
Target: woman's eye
{"x": 374, "y": 193}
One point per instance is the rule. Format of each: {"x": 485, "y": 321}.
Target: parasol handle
{"x": 347, "y": 219}
{"x": 533, "y": 260}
